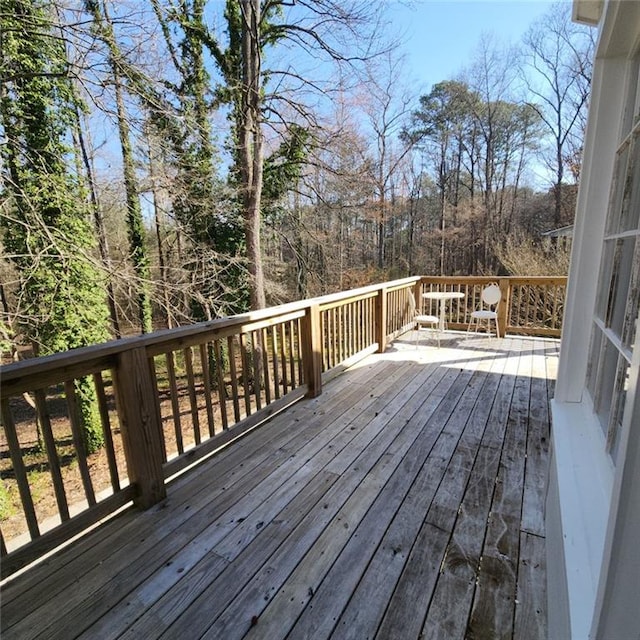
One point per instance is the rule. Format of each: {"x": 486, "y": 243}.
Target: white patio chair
{"x": 420, "y": 319}
{"x": 491, "y": 296}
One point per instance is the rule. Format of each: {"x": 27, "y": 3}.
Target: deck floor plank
{"x": 407, "y": 607}
{"x": 255, "y": 595}
{"x": 442, "y": 472}
{"x": 210, "y": 500}
{"x": 495, "y": 593}
{"x": 531, "y": 606}
{"x": 406, "y": 501}
{"x": 217, "y": 520}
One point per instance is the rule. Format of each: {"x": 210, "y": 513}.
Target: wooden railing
{"x": 529, "y": 306}
{"x": 165, "y": 400}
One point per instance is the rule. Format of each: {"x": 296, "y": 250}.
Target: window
{"x": 615, "y": 321}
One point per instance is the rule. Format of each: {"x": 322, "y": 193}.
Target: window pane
{"x": 632, "y": 106}
{"x": 633, "y": 302}
{"x": 619, "y": 398}
{"x": 631, "y": 202}
{"x": 620, "y": 189}
{"x": 619, "y": 284}
{"x": 605, "y": 383}
{"x": 604, "y": 279}
{"x": 592, "y": 364}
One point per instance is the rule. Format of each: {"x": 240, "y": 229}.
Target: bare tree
{"x": 557, "y": 55}
{"x": 386, "y": 105}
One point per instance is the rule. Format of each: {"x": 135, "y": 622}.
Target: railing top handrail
{"x": 102, "y": 355}
{"x": 482, "y": 279}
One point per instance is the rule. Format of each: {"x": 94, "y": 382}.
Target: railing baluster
{"x": 257, "y": 369}
{"x": 331, "y": 336}
{"x": 503, "y": 306}
{"x": 106, "y": 429}
{"x": 353, "y": 331}
{"x": 234, "y": 378}
{"x": 274, "y": 356}
{"x": 44, "y": 419}
{"x": 191, "y": 390}
{"x": 381, "y": 319}
{"x": 222, "y": 393}
{"x": 76, "y": 431}
{"x": 153, "y": 373}
{"x": 292, "y": 363}
{"x": 283, "y": 358}
{"x": 206, "y": 382}
{"x": 265, "y": 366}
{"x": 20, "y": 471}
{"x": 298, "y": 324}
{"x": 175, "y": 401}
{"x": 341, "y": 345}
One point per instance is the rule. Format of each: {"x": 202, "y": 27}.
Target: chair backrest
{"x": 491, "y": 294}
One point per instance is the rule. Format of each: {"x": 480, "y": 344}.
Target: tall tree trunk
{"x": 162, "y": 263}
{"x": 557, "y": 212}
{"x": 135, "y": 226}
{"x": 101, "y": 232}
{"x": 251, "y": 151}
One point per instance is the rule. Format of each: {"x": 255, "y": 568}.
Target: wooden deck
{"x": 404, "y": 502}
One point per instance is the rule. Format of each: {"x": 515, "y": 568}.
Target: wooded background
{"x": 170, "y": 162}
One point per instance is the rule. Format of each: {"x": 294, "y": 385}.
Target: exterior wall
{"x": 593, "y": 506}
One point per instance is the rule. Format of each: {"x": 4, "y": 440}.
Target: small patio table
{"x": 442, "y": 297}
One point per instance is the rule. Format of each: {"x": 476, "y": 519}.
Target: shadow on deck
{"x": 405, "y": 502}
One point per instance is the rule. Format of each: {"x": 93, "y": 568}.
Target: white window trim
{"x": 584, "y": 485}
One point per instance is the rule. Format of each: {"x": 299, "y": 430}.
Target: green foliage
{"x": 203, "y": 204}
{"x": 283, "y": 168}
{"x": 47, "y": 232}
{"x": 92, "y": 434}
{"x": 6, "y": 339}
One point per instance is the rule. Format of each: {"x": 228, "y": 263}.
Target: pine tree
{"x": 47, "y": 231}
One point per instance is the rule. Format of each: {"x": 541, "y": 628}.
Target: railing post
{"x": 312, "y": 351}
{"x": 139, "y": 413}
{"x": 381, "y": 319}
{"x": 504, "y": 305}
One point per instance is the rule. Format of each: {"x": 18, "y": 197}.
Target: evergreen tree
{"x": 46, "y": 224}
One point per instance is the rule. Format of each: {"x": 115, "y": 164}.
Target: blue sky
{"x": 442, "y": 35}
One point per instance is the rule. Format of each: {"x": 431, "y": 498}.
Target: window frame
{"x": 616, "y": 314}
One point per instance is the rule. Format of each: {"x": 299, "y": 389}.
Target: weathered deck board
{"x": 495, "y": 594}
{"x": 404, "y": 502}
{"x": 161, "y": 543}
{"x": 408, "y": 606}
{"x": 450, "y": 606}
